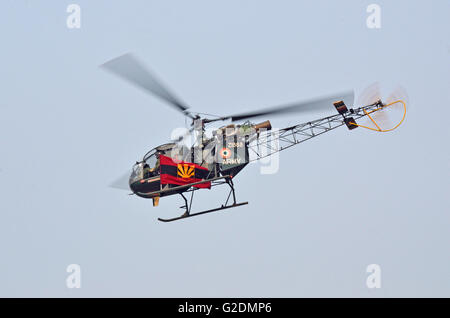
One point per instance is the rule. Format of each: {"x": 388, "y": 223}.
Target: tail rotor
{"x": 393, "y": 111}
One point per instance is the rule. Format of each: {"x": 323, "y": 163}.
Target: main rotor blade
{"x": 130, "y": 69}
{"x": 305, "y": 106}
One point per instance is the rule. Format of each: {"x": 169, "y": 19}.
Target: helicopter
{"x": 217, "y": 155}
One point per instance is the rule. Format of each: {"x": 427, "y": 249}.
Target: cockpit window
{"x": 151, "y": 160}
{"x": 137, "y": 173}
{"x": 150, "y": 163}
{"x": 151, "y": 166}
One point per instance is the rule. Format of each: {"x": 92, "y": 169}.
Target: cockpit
{"x": 149, "y": 166}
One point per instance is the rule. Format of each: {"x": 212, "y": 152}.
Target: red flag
{"x": 182, "y": 173}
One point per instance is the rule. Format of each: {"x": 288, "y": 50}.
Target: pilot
{"x": 150, "y": 172}
{"x": 147, "y": 171}
{"x": 156, "y": 164}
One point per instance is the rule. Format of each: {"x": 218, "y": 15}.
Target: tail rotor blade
{"x": 399, "y": 93}
{"x": 371, "y": 94}
{"x": 382, "y": 119}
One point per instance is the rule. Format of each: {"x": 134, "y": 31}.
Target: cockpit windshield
{"x": 149, "y": 166}
{"x": 150, "y": 163}
{"x": 137, "y": 173}
{"x": 151, "y": 159}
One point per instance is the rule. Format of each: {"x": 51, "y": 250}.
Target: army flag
{"x": 182, "y": 173}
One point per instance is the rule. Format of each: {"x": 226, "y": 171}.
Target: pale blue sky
{"x": 338, "y": 203}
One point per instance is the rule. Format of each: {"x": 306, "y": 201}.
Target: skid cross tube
{"x": 188, "y": 213}
{"x": 185, "y": 206}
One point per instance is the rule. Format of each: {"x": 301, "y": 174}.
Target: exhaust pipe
{"x": 264, "y": 125}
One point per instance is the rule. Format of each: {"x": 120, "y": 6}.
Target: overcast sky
{"x": 338, "y": 203}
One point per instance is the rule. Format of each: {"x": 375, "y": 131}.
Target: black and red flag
{"x": 182, "y": 173}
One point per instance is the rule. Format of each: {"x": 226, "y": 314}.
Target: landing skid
{"x": 186, "y": 215}
{"x": 188, "y": 207}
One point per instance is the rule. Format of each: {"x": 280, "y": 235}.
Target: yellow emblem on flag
{"x": 185, "y": 171}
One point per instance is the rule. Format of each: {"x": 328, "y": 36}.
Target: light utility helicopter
{"x": 217, "y": 155}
